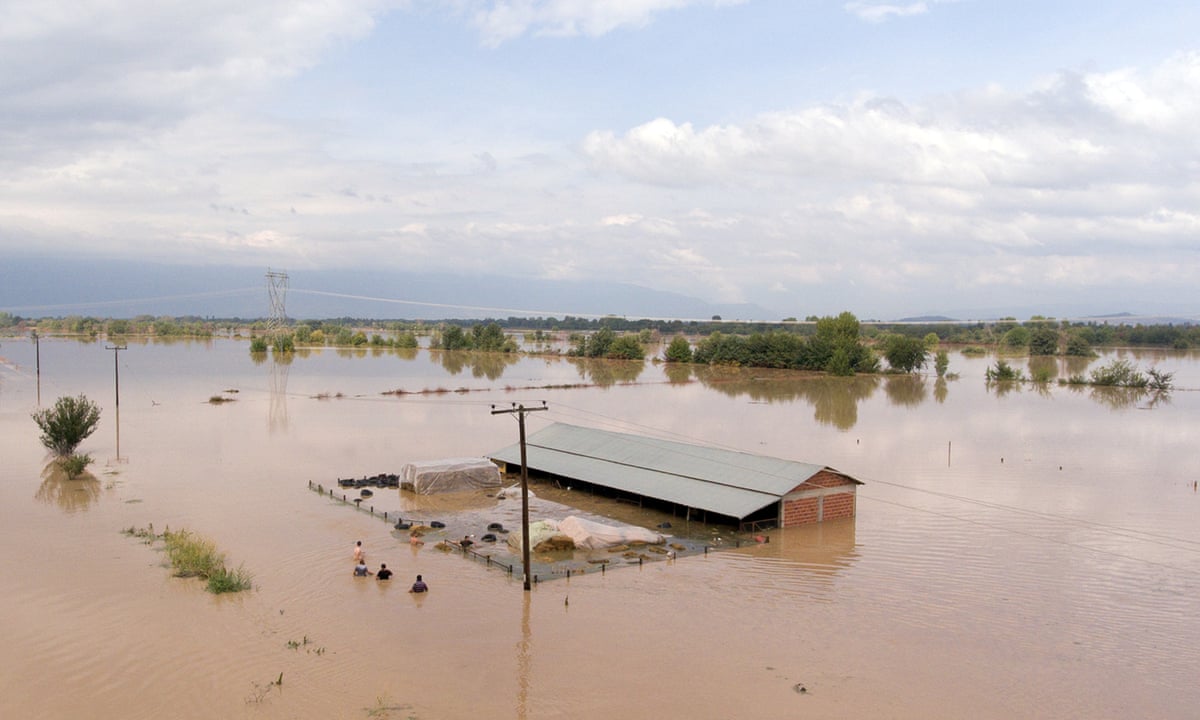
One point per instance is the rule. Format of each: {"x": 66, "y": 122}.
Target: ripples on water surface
{"x": 1016, "y": 554}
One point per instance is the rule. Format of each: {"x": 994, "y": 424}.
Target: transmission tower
{"x": 277, "y": 285}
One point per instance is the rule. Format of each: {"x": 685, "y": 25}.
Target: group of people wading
{"x": 361, "y": 570}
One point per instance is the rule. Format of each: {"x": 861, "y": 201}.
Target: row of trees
{"x": 1037, "y": 334}
{"x": 835, "y": 347}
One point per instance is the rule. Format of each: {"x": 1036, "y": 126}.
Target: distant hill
{"x": 926, "y": 319}
{"x": 42, "y": 287}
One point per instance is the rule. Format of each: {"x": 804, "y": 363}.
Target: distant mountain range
{"x": 1121, "y": 318}
{"x": 42, "y": 287}
{"x": 34, "y": 286}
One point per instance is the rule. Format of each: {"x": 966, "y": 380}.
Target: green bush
{"x": 68, "y": 423}
{"x": 1119, "y": 373}
{"x": 680, "y": 350}
{"x": 626, "y": 347}
{"x": 1003, "y": 372}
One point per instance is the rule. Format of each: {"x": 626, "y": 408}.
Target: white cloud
{"x": 879, "y": 12}
{"x": 1098, "y": 167}
{"x": 135, "y": 139}
{"x": 74, "y": 73}
{"x": 502, "y": 20}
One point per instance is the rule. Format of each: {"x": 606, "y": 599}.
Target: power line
{"x": 1114, "y": 530}
{"x": 1025, "y": 533}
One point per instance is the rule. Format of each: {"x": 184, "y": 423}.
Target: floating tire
{"x": 437, "y": 524}
{"x": 488, "y": 538}
{"x": 496, "y": 527}
{"x": 402, "y": 526}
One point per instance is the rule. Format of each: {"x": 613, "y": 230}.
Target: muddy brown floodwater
{"x": 1017, "y": 553}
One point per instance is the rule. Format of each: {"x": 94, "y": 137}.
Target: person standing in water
{"x": 359, "y": 554}
{"x": 419, "y": 586}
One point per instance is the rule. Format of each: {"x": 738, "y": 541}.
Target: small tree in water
{"x": 68, "y": 423}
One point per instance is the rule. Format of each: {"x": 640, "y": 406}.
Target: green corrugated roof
{"x": 721, "y": 481}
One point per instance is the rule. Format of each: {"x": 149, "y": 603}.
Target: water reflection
{"x": 941, "y": 389}
{"x": 606, "y": 373}
{"x": 524, "y": 659}
{"x": 70, "y": 495}
{"x": 814, "y": 556}
{"x": 277, "y": 418}
{"x": 1005, "y": 387}
{"x": 1044, "y": 367}
{"x": 678, "y": 373}
{"x": 1120, "y": 398}
{"x": 483, "y": 364}
{"x": 834, "y": 399}
{"x": 905, "y": 390}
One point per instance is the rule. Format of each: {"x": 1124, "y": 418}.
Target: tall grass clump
{"x": 192, "y": 555}
{"x": 224, "y": 580}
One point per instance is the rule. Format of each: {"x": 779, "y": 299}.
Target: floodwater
{"x": 1017, "y": 553}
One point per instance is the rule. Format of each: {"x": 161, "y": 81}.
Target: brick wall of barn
{"x": 824, "y": 496}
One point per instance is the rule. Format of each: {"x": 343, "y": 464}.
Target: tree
{"x": 600, "y": 342}
{"x": 1043, "y": 340}
{"x": 680, "y": 350}
{"x": 941, "y": 363}
{"x": 837, "y": 348}
{"x": 626, "y": 347}
{"x": 68, "y": 423}
{"x": 453, "y": 338}
{"x": 1077, "y": 345}
{"x": 488, "y": 338}
{"x": 1016, "y": 337}
{"x": 905, "y": 354}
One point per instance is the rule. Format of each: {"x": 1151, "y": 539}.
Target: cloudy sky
{"x": 889, "y": 158}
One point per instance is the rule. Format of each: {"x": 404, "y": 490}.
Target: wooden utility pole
{"x": 37, "y": 345}
{"x": 117, "y": 385}
{"x": 519, "y": 411}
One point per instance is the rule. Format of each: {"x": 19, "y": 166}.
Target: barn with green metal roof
{"x": 712, "y": 484}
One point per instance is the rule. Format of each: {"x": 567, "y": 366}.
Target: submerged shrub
{"x": 1160, "y": 380}
{"x": 1119, "y": 373}
{"x": 75, "y": 464}
{"x": 68, "y": 423}
{"x": 1002, "y": 371}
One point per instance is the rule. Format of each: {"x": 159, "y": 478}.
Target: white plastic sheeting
{"x": 512, "y": 492}
{"x": 539, "y": 532}
{"x": 428, "y": 477}
{"x": 591, "y": 535}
